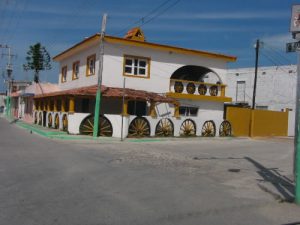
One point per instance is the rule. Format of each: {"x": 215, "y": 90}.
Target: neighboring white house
{"x": 275, "y": 90}
{"x": 181, "y": 87}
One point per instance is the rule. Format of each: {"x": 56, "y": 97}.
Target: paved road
{"x": 45, "y": 182}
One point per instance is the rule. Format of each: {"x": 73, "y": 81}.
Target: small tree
{"x": 37, "y": 59}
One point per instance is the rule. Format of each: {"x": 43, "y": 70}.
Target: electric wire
{"x": 145, "y": 20}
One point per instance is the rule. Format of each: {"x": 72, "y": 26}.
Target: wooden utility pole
{"x": 255, "y": 75}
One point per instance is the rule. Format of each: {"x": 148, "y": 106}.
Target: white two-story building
{"x": 147, "y": 89}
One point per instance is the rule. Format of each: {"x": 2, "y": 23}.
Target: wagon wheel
{"x": 35, "y": 117}
{"x": 65, "y": 122}
{"x": 190, "y": 88}
{"x": 56, "y": 121}
{"x": 213, "y": 90}
{"x": 49, "y": 120}
{"x": 202, "y": 89}
{"x": 178, "y": 87}
{"x": 225, "y": 129}
{"x": 208, "y": 129}
{"x": 164, "y": 128}
{"x": 188, "y": 128}
{"x": 40, "y": 118}
{"x": 87, "y": 126}
{"x": 139, "y": 127}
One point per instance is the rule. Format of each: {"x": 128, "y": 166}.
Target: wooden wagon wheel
{"x": 188, "y": 128}
{"x": 35, "y": 117}
{"x": 190, "y": 88}
{"x": 65, "y": 122}
{"x": 87, "y": 126}
{"x": 49, "y": 120}
{"x": 40, "y": 118}
{"x": 178, "y": 87}
{"x": 208, "y": 129}
{"x": 213, "y": 90}
{"x": 202, "y": 89}
{"x": 225, "y": 129}
{"x": 56, "y": 121}
{"x": 164, "y": 128}
{"x": 139, "y": 127}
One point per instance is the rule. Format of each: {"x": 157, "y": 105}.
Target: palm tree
{"x": 38, "y": 59}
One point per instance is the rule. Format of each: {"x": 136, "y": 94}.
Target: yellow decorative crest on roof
{"x": 135, "y": 34}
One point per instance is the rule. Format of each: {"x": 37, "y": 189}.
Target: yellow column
{"x": 35, "y": 104}
{"x": 176, "y": 111}
{"x": 39, "y": 105}
{"x": 72, "y": 104}
{"x": 63, "y": 105}
{"x": 152, "y": 110}
{"x": 55, "y": 105}
{"x": 125, "y": 108}
{"x": 44, "y": 104}
{"x": 223, "y": 90}
{"x": 48, "y": 104}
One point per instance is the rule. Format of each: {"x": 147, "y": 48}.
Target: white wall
{"x": 163, "y": 65}
{"x": 83, "y": 80}
{"x": 275, "y": 89}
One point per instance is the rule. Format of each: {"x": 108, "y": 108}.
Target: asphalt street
{"x": 180, "y": 181}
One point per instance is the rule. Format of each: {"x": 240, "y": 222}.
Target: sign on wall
{"x": 295, "y": 20}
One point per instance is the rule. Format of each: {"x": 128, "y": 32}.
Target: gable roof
{"x": 138, "y": 43}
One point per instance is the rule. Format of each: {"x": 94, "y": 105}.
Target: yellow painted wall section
{"x": 240, "y": 120}
{"x": 257, "y": 123}
{"x": 269, "y": 123}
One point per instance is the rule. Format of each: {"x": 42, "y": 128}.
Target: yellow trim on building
{"x": 117, "y": 40}
{"x": 137, "y": 57}
{"x": 63, "y": 70}
{"x": 73, "y": 71}
{"x": 88, "y": 42}
{"x": 89, "y": 58}
{"x": 199, "y": 97}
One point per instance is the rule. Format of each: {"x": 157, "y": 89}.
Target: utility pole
{"x": 100, "y": 70}
{"x": 295, "y": 30}
{"x": 9, "y": 79}
{"x": 255, "y": 75}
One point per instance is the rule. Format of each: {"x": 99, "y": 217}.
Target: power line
{"x": 274, "y": 62}
{"x": 278, "y": 52}
{"x": 143, "y": 20}
{"x": 162, "y": 12}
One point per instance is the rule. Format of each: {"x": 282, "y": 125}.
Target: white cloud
{"x": 278, "y": 40}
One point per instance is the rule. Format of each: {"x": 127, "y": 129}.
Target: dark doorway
{"x": 138, "y": 108}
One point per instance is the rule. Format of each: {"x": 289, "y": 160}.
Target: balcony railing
{"x": 196, "y": 88}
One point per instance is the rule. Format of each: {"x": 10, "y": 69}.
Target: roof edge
{"x": 162, "y": 47}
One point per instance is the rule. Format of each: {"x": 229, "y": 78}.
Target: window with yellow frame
{"x": 90, "y": 65}
{"x": 64, "y": 74}
{"x": 75, "y": 74}
{"x": 136, "y": 66}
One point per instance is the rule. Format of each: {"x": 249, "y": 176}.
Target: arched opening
{"x": 196, "y": 73}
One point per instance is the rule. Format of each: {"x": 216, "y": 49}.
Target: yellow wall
{"x": 240, "y": 120}
{"x": 247, "y": 122}
{"x": 269, "y": 123}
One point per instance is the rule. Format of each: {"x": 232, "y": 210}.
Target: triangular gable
{"x": 135, "y": 34}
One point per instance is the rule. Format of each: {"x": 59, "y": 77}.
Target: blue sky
{"x": 229, "y": 27}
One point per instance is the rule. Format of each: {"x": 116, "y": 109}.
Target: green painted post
{"x": 297, "y": 141}
{"x": 97, "y": 113}
{"x": 7, "y": 105}
{"x": 100, "y": 70}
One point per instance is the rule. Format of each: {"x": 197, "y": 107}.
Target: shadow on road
{"x": 283, "y": 184}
